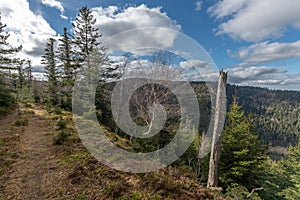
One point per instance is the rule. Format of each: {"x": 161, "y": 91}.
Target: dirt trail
{"x": 29, "y": 176}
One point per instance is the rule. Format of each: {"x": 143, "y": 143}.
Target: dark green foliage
{"x": 60, "y": 138}
{"x": 242, "y": 153}
{"x": 22, "y": 122}
{"x": 49, "y": 61}
{"x": 57, "y": 110}
{"x": 275, "y": 113}
{"x": 204, "y": 99}
{"x": 23, "y": 83}
{"x": 291, "y": 169}
{"x": 86, "y": 35}
{"x": 61, "y": 124}
{"x": 7, "y": 99}
{"x": 274, "y": 179}
{"x": 68, "y": 66}
{"x": 239, "y": 192}
{"x": 281, "y": 178}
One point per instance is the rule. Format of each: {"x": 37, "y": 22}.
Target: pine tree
{"x": 7, "y": 63}
{"x": 28, "y": 70}
{"x": 242, "y": 153}
{"x": 86, "y": 35}
{"x": 49, "y": 61}
{"x": 68, "y": 67}
{"x": 6, "y": 51}
{"x": 291, "y": 166}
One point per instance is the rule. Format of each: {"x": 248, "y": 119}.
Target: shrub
{"x": 28, "y": 105}
{"x": 60, "y": 138}
{"x": 3, "y": 111}
{"x": 61, "y": 124}
{"x": 57, "y": 110}
{"x": 22, "y": 122}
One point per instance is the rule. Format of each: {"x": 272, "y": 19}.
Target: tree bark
{"x": 220, "y": 112}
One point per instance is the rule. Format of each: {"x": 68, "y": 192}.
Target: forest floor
{"x": 30, "y": 155}
{"x": 33, "y": 167}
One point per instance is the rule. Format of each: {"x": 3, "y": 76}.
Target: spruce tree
{"x": 68, "y": 68}
{"x": 291, "y": 167}
{"x": 7, "y": 64}
{"x": 28, "y": 70}
{"x": 86, "y": 35}
{"x": 6, "y": 51}
{"x": 49, "y": 61}
{"x": 242, "y": 153}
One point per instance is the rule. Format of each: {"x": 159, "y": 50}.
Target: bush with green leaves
{"x": 60, "y": 138}
{"x": 61, "y": 124}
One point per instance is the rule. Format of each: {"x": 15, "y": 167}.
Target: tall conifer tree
{"x": 87, "y": 37}
{"x": 68, "y": 68}
{"x": 242, "y": 152}
{"x": 49, "y": 61}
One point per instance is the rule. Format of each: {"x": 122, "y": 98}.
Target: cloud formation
{"x": 198, "y": 5}
{"x": 225, "y": 8}
{"x": 267, "y": 76}
{"x": 198, "y": 70}
{"x": 31, "y": 33}
{"x": 113, "y": 20}
{"x": 256, "y": 20}
{"x": 267, "y": 52}
{"x": 55, "y": 4}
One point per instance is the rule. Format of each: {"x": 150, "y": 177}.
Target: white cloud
{"x": 267, "y": 76}
{"x": 252, "y": 72}
{"x": 64, "y": 17}
{"x": 256, "y": 20}
{"x": 267, "y": 52}
{"x": 193, "y": 64}
{"x": 198, "y": 6}
{"x": 54, "y": 4}
{"x": 198, "y": 70}
{"x": 112, "y": 21}
{"x": 26, "y": 29}
{"x": 225, "y": 7}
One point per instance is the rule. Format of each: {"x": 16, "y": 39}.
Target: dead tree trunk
{"x": 220, "y": 113}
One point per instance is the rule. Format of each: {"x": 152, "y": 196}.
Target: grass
{"x": 2, "y": 142}
{"x": 72, "y": 157}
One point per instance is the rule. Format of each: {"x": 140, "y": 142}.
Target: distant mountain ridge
{"x": 276, "y": 113}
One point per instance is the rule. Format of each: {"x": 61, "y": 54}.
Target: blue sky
{"x": 257, "y": 41}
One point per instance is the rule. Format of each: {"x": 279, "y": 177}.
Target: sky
{"x": 256, "y": 41}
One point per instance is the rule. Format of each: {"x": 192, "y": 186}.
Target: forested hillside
{"x": 276, "y": 113}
